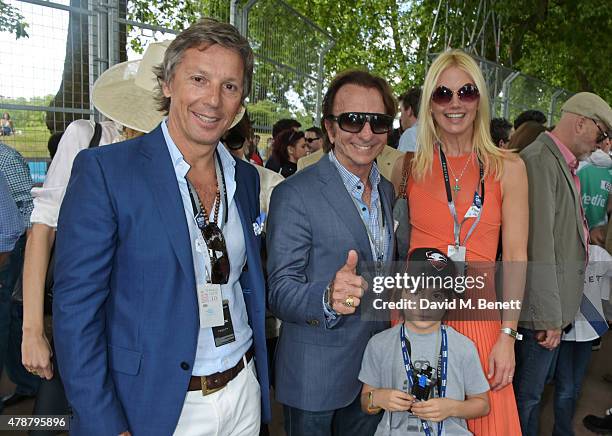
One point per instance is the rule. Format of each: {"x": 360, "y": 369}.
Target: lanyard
{"x": 442, "y": 368}
{"x": 377, "y": 245}
{"x": 451, "y": 203}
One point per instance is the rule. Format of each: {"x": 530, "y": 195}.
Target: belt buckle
{"x": 205, "y": 389}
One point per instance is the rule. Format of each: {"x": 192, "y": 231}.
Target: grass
{"x": 31, "y": 143}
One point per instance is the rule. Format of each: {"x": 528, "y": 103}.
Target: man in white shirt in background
{"x": 409, "y": 104}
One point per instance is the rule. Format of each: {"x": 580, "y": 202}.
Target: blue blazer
{"x": 312, "y": 225}
{"x": 125, "y": 314}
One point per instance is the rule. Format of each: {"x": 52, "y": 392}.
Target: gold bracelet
{"x": 371, "y": 407}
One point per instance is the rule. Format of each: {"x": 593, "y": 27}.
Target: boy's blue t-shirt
{"x": 383, "y": 367}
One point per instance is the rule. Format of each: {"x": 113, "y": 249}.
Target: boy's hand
{"x": 436, "y": 409}
{"x": 393, "y": 400}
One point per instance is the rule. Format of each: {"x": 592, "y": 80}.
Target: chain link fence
{"x": 45, "y": 80}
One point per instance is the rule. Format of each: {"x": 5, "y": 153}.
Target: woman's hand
{"x": 501, "y": 362}
{"x": 36, "y": 355}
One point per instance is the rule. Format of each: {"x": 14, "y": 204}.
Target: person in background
{"x": 595, "y": 174}
{"x": 501, "y": 131}
{"x": 314, "y": 139}
{"x": 237, "y": 142}
{"x": 7, "y": 128}
{"x": 11, "y": 221}
{"x": 17, "y": 173}
{"x": 525, "y": 135}
{"x": 53, "y": 143}
{"x": 558, "y": 256}
{"x": 280, "y": 126}
{"x": 409, "y": 106}
{"x": 288, "y": 147}
{"x": 529, "y": 115}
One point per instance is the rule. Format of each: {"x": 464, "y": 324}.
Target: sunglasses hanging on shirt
{"x": 211, "y": 232}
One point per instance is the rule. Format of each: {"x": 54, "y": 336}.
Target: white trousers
{"x": 235, "y": 410}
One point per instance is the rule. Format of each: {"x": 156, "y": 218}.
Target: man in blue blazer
{"x": 323, "y": 221}
{"x": 159, "y": 299}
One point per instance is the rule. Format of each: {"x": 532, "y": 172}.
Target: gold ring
{"x": 349, "y": 302}
{"x": 510, "y": 377}
{"x": 33, "y": 371}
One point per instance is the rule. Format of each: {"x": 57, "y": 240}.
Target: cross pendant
{"x": 456, "y": 188}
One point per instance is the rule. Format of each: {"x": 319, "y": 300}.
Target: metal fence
{"x": 45, "y": 80}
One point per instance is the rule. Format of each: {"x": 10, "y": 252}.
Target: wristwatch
{"x": 513, "y": 333}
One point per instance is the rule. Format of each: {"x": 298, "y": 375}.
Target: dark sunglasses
{"x": 219, "y": 259}
{"x": 310, "y": 140}
{"x": 353, "y": 122}
{"x": 467, "y": 93}
{"x": 602, "y": 134}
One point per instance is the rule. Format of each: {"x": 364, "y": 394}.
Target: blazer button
{"x": 313, "y": 322}
{"x": 185, "y": 366}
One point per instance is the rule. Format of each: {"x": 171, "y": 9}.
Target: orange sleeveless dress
{"x": 432, "y": 226}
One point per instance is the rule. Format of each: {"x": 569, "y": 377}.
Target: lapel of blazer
{"x": 242, "y": 205}
{"x": 339, "y": 201}
{"x": 570, "y": 180}
{"x": 159, "y": 171}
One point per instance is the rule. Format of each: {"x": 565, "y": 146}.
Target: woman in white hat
{"x": 124, "y": 94}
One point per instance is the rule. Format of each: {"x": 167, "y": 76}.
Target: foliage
{"x": 12, "y": 21}
{"x": 565, "y": 43}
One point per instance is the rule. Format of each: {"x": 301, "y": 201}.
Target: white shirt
{"x": 210, "y": 358}
{"x": 590, "y": 316}
{"x": 408, "y": 140}
{"x": 48, "y": 199}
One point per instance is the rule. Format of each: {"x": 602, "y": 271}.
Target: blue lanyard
{"x": 442, "y": 367}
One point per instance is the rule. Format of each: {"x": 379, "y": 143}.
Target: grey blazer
{"x": 312, "y": 225}
{"x": 557, "y": 245}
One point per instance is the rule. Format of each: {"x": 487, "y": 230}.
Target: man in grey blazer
{"x": 323, "y": 221}
{"x": 558, "y": 254}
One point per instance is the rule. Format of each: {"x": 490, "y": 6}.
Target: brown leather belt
{"x": 212, "y": 383}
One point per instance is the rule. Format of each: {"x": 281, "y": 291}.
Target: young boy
{"x": 442, "y": 363}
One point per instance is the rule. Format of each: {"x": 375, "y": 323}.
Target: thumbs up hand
{"x": 347, "y": 288}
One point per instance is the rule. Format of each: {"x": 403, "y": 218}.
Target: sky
{"x": 32, "y": 67}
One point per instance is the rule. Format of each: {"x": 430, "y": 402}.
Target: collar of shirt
{"x": 181, "y": 167}
{"x": 569, "y": 157}
{"x": 352, "y": 183}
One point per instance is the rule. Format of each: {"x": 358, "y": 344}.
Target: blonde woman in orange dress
{"x": 488, "y": 188}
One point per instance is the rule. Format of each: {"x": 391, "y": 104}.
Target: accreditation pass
{"x": 38, "y": 422}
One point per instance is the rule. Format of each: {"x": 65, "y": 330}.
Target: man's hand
{"x": 552, "y": 339}
{"x": 598, "y": 235}
{"x": 347, "y": 287}
{"x": 392, "y": 400}
{"x": 436, "y": 409}
{"x": 125, "y": 433}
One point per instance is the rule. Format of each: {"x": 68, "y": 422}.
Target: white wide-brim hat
{"x": 125, "y": 92}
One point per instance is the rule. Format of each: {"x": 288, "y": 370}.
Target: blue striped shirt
{"x": 370, "y": 214}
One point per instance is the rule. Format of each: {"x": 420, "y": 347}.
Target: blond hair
{"x": 427, "y": 131}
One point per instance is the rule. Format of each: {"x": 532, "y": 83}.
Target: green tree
{"x": 12, "y": 21}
